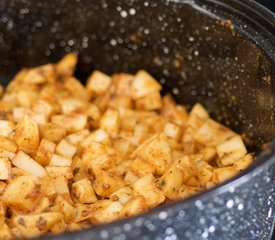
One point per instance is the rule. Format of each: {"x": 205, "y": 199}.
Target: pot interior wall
{"x": 190, "y": 48}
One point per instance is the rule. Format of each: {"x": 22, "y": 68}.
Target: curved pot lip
{"x": 264, "y": 160}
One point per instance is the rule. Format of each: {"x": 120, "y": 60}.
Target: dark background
{"x": 271, "y": 5}
{"x": 268, "y": 3}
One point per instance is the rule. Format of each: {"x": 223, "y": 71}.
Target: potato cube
{"x": 26, "y": 163}
{"x": 52, "y": 132}
{"x": 5, "y": 169}
{"x": 150, "y": 102}
{"x": 98, "y": 135}
{"x": 121, "y": 101}
{"x": 83, "y": 191}
{"x": 209, "y": 153}
{"x": 143, "y": 84}
{"x": 65, "y": 67}
{"x": 230, "y": 151}
{"x": 75, "y": 138}
{"x": 204, "y": 172}
{"x": 105, "y": 211}
{"x": 60, "y": 161}
{"x": 6, "y": 127}
{"x": 17, "y": 172}
{"x": 71, "y": 122}
{"x": 61, "y": 186}
{"x": 45, "y": 152}
{"x": 83, "y": 211}
{"x": 244, "y": 162}
{"x": 223, "y": 174}
{"x": 187, "y": 191}
{"x": 142, "y": 167}
{"x": 8, "y": 144}
{"x": 110, "y": 122}
{"x": 106, "y": 183}
{"x": 34, "y": 225}
{"x": 65, "y": 149}
{"x": 212, "y": 134}
{"x": 171, "y": 180}
{"x": 76, "y": 88}
{"x": 172, "y": 130}
{"x": 134, "y": 207}
{"x": 5, "y": 232}
{"x": 45, "y": 107}
{"x": 60, "y": 171}
{"x": 71, "y": 105}
{"x": 66, "y": 207}
{"x": 23, "y": 192}
{"x": 123, "y": 195}
{"x": 98, "y": 82}
{"x": 18, "y": 113}
{"x": 130, "y": 177}
{"x": 147, "y": 188}
{"x": 155, "y": 151}
{"x": 41, "y": 74}
{"x": 27, "y": 134}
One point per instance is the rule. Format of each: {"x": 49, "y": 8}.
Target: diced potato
{"x": 27, "y": 134}
{"x": 66, "y": 207}
{"x": 98, "y": 82}
{"x": 23, "y": 192}
{"x": 26, "y": 97}
{"x": 38, "y": 75}
{"x": 97, "y": 156}
{"x": 187, "y": 191}
{"x": 5, "y": 169}
{"x": 171, "y": 180}
{"x": 199, "y": 111}
{"x": 110, "y": 122}
{"x": 123, "y": 195}
{"x": 65, "y": 67}
{"x": 106, "y": 183}
{"x": 77, "y": 137}
{"x": 223, "y": 174}
{"x": 209, "y": 153}
{"x": 65, "y": 149}
{"x": 60, "y": 171}
{"x": 172, "y": 112}
{"x": 71, "y": 105}
{"x": 48, "y": 187}
{"x": 76, "y": 88}
{"x": 6, "y": 154}
{"x": 6, "y": 128}
{"x": 173, "y": 131}
{"x": 52, "y": 132}
{"x": 8, "y": 144}
{"x": 93, "y": 112}
{"x": 204, "y": 172}
{"x": 18, "y": 113}
{"x": 122, "y": 146}
{"x": 134, "y": 207}
{"x": 43, "y": 205}
{"x": 150, "y": 102}
{"x": 156, "y": 151}
{"x": 60, "y": 161}
{"x": 121, "y": 101}
{"x": 45, "y": 152}
{"x": 130, "y": 177}
{"x": 143, "y": 84}
{"x": 105, "y": 211}
{"x": 212, "y": 133}
{"x": 71, "y": 122}
{"x": 61, "y": 186}
{"x": 123, "y": 83}
{"x": 38, "y": 223}
{"x": 98, "y": 135}
{"x": 142, "y": 167}
{"x": 17, "y": 172}
{"x": 244, "y": 162}
{"x": 5, "y": 232}
{"x": 83, "y": 211}
{"x": 45, "y": 107}
{"x": 26, "y": 163}
{"x": 83, "y": 191}
{"x": 231, "y": 150}
{"x": 146, "y": 187}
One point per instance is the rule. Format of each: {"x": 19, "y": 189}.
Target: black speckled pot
{"x": 187, "y": 46}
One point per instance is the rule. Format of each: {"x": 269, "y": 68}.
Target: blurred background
{"x": 268, "y": 3}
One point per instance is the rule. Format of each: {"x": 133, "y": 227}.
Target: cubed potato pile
{"x": 72, "y": 156}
